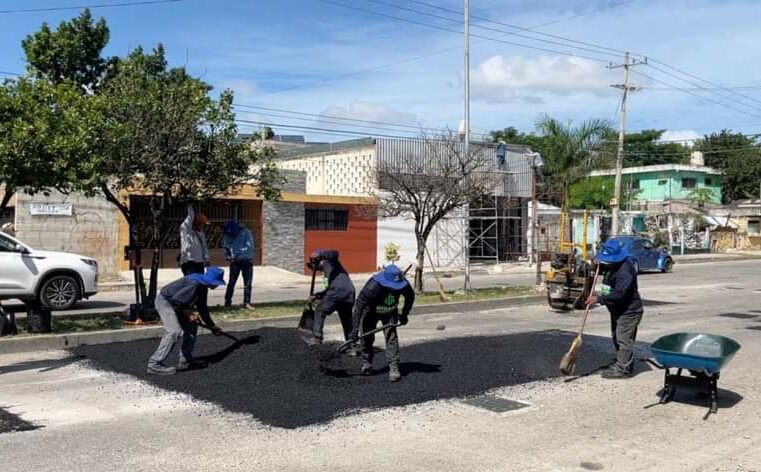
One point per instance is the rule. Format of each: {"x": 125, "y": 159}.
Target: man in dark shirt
{"x": 379, "y": 302}
{"x": 621, "y": 296}
{"x": 338, "y": 296}
{"x": 174, "y": 303}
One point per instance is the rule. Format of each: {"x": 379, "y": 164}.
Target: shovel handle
{"x": 343, "y": 346}
{"x": 223, "y": 333}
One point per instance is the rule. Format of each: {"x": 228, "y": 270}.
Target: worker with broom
{"x": 620, "y": 295}
{"x": 174, "y": 303}
{"x": 378, "y": 301}
{"x": 338, "y": 296}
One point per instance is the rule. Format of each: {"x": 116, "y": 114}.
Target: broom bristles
{"x": 568, "y": 362}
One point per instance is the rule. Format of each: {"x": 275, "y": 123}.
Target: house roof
{"x": 657, "y": 168}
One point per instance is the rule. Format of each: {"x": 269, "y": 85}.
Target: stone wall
{"x": 92, "y": 230}
{"x": 283, "y": 241}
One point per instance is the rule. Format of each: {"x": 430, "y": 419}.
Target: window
{"x": 662, "y": 182}
{"x": 689, "y": 182}
{"x": 709, "y": 182}
{"x": 6, "y": 245}
{"x": 635, "y": 184}
{"x": 326, "y": 219}
{"x": 754, "y": 227}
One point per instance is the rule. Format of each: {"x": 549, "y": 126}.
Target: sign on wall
{"x": 50, "y": 209}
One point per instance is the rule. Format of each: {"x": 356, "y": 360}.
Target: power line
{"x": 502, "y": 31}
{"x": 94, "y": 6}
{"x": 694, "y": 94}
{"x": 318, "y": 129}
{"x": 419, "y": 23}
{"x": 519, "y": 28}
{"x": 435, "y": 53}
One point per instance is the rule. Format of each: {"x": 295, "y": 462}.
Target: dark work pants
{"x": 191, "y": 267}
{"x": 370, "y": 322}
{"x": 328, "y": 306}
{"x": 624, "y": 331}
{"x": 246, "y": 268}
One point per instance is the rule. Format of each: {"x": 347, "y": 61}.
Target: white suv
{"x": 56, "y": 279}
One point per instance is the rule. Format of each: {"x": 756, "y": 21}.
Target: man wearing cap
{"x": 239, "y": 247}
{"x": 620, "y": 295}
{"x": 194, "y": 252}
{"x": 174, "y": 303}
{"x": 378, "y": 301}
{"x": 338, "y": 296}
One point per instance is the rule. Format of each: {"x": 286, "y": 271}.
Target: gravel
{"x": 280, "y": 381}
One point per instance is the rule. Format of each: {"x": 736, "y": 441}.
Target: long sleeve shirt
{"x": 340, "y": 287}
{"x": 240, "y": 247}
{"x": 623, "y": 296}
{"x": 193, "y": 247}
{"x": 185, "y": 293}
{"x": 374, "y": 297}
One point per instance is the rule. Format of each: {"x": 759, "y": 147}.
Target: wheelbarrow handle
{"x": 343, "y": 346}
{"x": 652, "y": 362}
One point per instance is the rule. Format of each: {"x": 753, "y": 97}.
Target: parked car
{"x": 645, "y": 255}
{"x": 57, "y": 280}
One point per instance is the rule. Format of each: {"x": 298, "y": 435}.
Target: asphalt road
{"x": 110, "y": 419}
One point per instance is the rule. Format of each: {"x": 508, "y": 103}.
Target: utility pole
{"x": 466, "y": 248}
{"x": 625, "y": 88}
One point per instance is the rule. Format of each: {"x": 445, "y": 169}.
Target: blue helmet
{"x": 613, "y": 251}
{"x": 391, "y": 277}
{"x": 214, "y": 277}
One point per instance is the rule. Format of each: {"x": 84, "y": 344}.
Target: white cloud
{"x": 501, "y": 78}
{"x": 362, "y": 110}
{"x": 684, "y": 136}
{"x": 241, "y": 87}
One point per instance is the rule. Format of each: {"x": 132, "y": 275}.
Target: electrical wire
{"x": 93, "y": 6}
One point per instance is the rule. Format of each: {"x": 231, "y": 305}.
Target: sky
{"x": 331, "y": 63}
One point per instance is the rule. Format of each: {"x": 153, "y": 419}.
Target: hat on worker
{"x": 612, "y": 252}
{"x": 391, "y": 277}
{"x": 214, "y": 277}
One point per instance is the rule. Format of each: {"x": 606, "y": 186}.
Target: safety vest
{"x": 390, "y": 304}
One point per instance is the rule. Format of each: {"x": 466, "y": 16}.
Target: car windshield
{"x": 9, "y": 245}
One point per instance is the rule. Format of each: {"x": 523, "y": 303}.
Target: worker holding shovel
{"x": 174, "y": 303}
{"x": 379, "y": 302}
{"x": 620, "y": 295}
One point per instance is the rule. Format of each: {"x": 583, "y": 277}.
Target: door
{"x": 649, "y": 254}
{"x": 19, "y": 272}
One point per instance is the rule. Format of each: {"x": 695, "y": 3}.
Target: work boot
{"x": 161, "y": 369}
{"x": 353, "y": 351}
{"x": 192, "y": 365}
{"x": 249, "y": 307}
{"x": 393, "y": 373}
{"x": 616, "y": 374}
{"x": 367, "y": 368}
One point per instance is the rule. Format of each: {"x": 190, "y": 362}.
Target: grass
{"x": 111, "y": 321}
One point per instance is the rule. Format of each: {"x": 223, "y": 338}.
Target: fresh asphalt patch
{"x": 10, "y": 423}
{"x": 277, "y": 379}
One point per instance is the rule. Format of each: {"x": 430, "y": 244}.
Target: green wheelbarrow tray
{"x": 703, "y": 355}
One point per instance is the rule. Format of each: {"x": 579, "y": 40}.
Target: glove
{"x": 403, "y": 319}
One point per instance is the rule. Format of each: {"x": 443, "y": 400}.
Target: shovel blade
{"x": 307, "y": 319}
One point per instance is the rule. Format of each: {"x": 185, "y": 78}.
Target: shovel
{"x": 221, "y": 333}
{"x": 345, "y": 345}
{"x": 307, "y": 316}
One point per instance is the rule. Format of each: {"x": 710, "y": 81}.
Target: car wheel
{"x": 59, "y": 292}
{"x": 636, "y": 267}
{"x": 668, "y": 266}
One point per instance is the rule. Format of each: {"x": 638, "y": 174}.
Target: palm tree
{"x": 700, "y": 196}
{"x": 572, "y": 151}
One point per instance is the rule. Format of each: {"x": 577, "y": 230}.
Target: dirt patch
{"x": 279, "y": 380}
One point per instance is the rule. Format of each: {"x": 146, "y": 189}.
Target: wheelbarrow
{"x": 702, "y": 355}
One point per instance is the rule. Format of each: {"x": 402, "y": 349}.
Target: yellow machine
{"x": 569, "y": 280}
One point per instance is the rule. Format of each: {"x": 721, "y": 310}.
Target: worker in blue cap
{"x": 378, "y": 301}
{"x": 239, "y": 249}
{"x": 620, "y": 294}
{"x": 175, "y": 303}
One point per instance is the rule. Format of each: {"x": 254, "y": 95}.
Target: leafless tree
{"x": 428, "y": 178}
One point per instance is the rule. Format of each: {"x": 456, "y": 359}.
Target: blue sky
{"x": 297, "y": 54}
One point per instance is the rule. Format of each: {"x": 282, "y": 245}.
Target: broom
{"x": 568, "y": 362}
{"x": 442, "y": 294}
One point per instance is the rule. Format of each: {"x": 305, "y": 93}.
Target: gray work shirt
{"x": 193, "y": 247}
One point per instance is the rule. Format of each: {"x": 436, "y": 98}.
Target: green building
{"x": 666, "y": 182}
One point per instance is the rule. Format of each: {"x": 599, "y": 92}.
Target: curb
{"x": 49, "y": 342}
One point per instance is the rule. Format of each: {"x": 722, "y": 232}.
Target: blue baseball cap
{"x": 232, "y": 228}
{"x": 613, "y": 251}
{"x": 391, "y": 277}
{"x": 214, "y": 277}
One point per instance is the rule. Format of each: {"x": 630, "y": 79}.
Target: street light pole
{"x": 466, "y": 248}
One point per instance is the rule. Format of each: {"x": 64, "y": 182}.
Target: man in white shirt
{"x": 194, "y": 251}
